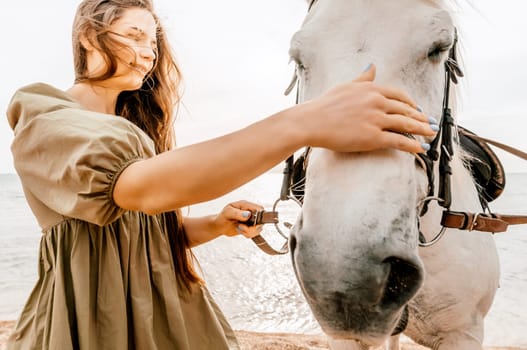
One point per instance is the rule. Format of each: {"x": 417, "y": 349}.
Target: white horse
{"x": 355, "y": 245}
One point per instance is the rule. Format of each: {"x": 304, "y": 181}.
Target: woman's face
{"x": 136, "y": 31}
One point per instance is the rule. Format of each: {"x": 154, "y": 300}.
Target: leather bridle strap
{"x": 266, "y": 248}
{"x": 480, "y": 222}
{"x": 507, "y": 148}
{"x": 262, "y": 217}
{"x": 265, "y": 217}
{"x": 442, "y": 149}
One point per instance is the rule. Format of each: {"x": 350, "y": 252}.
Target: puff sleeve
{"x": 70, "y": 159}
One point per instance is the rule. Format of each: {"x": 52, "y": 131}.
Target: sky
{"x": 234, "y": 57}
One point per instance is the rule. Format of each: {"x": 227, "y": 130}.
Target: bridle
{"x": 441, "y": 150}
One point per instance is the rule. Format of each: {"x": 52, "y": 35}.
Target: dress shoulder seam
{"x": 115, "y": 175}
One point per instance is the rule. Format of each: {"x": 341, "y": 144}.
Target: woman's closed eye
{"x": 137, "y": 39}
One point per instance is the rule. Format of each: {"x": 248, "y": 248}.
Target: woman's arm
{"x": 358, "y": 116}
{"x": 206, "y": 170}
{"x": 200, "y": 230}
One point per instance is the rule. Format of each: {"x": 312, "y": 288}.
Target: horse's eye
{"x": 296, "y": 55}
{"x": 300, "y": 67}
{"x": 437, "y": 50}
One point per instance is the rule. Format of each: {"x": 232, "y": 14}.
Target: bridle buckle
{"x": 473, "y": 225}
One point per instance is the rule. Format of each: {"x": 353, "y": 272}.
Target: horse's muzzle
{"x": 364, "y": 302}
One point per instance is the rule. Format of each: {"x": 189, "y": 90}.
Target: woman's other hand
{"x": 230, "y": 221}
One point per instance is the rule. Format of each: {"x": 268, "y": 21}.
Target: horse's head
{"x": 354, "y": 247}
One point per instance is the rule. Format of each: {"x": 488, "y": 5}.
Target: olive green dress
{"x": 106, "y": 275}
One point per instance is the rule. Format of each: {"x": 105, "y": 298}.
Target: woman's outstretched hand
{"x": 230, "y": 221}
{"x": 363, "y": 116}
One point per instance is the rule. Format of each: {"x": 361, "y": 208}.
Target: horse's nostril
{"x": 404, "y": 280}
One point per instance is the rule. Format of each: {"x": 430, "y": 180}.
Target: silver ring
{"x": 434, "y": 240}
{"x": 289, "y": 197}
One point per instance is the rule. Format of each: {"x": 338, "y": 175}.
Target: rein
{"x": 441, "y": 150}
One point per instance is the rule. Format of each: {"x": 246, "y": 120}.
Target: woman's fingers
{"x": 249, "y": 231}
{"x": 403, "y": 143}
{"x": 396, "y": 101}
{"x": 242, "y": 210}
{"x": 397, "y": 95}
{"x": 357, "y": 112}
{"x": 245, "y": 209}
{"x": 235, "y": 214}
{"x": 398, "y": 107}
{"x": 368, "y": 74}
{"x": 404, "y": 124}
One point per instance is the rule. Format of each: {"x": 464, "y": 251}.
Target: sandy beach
{"x": 260, "y": 341}
{"x": 287, "y": 341}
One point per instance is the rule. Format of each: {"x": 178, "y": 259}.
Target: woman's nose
{"x": 147, "y": 53}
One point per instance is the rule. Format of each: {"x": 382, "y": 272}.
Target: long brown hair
{"x": 151, "y": 107}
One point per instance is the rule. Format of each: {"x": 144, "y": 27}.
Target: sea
{"x": 258, "y": 292}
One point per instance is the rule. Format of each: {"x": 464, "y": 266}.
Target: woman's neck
{"x": 95, "y": 98}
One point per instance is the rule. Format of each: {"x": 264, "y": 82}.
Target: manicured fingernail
{"x": 434, "y": 127}
{"x": 246, "y": 214}
{"x": 425, "y": 146}
{"x": 419, "y": 109}
{"x": 367, "y": 68}
{"x": 239, "y": 229}
{"x": 432, "y": 120}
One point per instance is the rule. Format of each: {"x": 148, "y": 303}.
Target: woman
{"x": 100, "y": 173}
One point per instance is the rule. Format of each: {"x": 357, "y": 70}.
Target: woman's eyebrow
{"x": 137, "y": 29}
{"x": 142, "y": 32}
